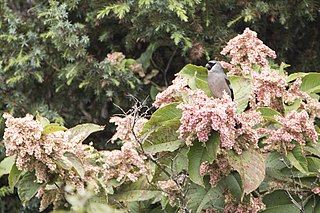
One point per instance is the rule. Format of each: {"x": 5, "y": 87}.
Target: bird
{"x": 217, "y": 80}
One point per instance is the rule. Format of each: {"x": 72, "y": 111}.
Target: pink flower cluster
{"x": 219, "y": 168}
{"x": 247, "y": 136}
{"x": 173, "y": 93}
{"x": 268, "y": 86}
{"x": 125, "y": 126}
{"x": 115, "y": 58}
{"x": 295, "y": 126}
{"x": 202, "y": 114}
{"x": 311, "y": 105}
{"x": 42, "y": 154}
{"x": 170, "y": 190}
{"x": 126, "y": 163}
{"x": 246, "y": 50}
{"x": 256, "y": 205}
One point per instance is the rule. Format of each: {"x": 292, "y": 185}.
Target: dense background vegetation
{"x": 54, "y": 54}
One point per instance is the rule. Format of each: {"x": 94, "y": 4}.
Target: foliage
{"x": 188, "y": 156}
{"x": 73, "y": 61}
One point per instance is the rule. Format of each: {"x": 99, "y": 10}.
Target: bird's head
{"x": 210, "y": 64}
{"x": 214, "y": 66}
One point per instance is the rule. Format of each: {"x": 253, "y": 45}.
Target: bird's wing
{"x": 229, "y": 85}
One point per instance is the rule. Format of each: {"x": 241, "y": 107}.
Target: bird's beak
{"x": 208, "y": 66}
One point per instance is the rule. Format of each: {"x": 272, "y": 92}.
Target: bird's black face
{"x": 210, "y": 64}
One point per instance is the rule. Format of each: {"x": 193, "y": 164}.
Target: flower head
{"x": 247, "y": 50}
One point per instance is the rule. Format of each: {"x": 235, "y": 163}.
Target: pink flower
{"x": 295, "y": 126}
{"x": 173, "y": 93}
{"x": 219, "y": 168}
{"x": 268, "y": 86}
{"x": 245, "y": 51}
{"x": 202, "y": 114}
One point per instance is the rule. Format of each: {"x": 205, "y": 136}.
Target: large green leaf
{"x": 313, "y": 164}
{"x": 279, "y": 201}
{"x": 201, "y": 152}
{"x": 165, "y": 115}
{"x": 27, "y": 187}
{"x": 197, "y": 77}
{"x": 269, "y": 113}
{"x": 76, "y": 163}
{"x": 163, "y": 138}
{"x": 297, "y": 159}
{"x": 313, "y": 148}
{"x": 6, "y": 165}
{"x": 296, "y": 75}
{"x": 180, "y": 161}
{"x": 200, "y": 198}
{"x": 242, "y": 88}
{"x": 136, "y": 191}
{"x": 80, "y": 132}
{"x": 310, "y": 83}
{"x": 274, "y": 165}
{"x": 251, "y": 167}
{"x": 14, "y": 176}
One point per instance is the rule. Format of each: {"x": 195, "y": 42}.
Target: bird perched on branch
{"x": 218, "y": 80}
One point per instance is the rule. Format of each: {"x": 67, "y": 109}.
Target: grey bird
{"x": 217, "y": 80}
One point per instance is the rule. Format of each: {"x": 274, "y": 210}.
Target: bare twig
{"x": 139, "y": 110}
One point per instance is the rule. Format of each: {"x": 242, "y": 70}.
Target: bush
{"x": 190, "y": 155}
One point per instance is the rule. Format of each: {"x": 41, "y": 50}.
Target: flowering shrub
{"x": 192, "y": 154}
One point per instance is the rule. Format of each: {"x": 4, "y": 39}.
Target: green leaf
{"x": 310, "y": 83}
{"x": 251, "y": 167}
{"x": 43, "y": 120}
{"x": 200, "y": 198}
{"x": 76, "y": 163}
{"x": 135, "y": 195}
{"x": 163, "y": 116}
{"x": 296, "y": 75}
{"x": 180, "y": 161}
{"x": 233, "y": 183}
{"x": 27, "y": 187}
{"x": 80, "y": 132}
{"x": 288, "y": 107}
{"x": 297, "y": 159}
{"x": 14, "y": 176}
{"x": 100, "y": 205}
{"x": 53, "y": 127}
{"x": 279, "y": 201}
{"x": 146, "y": 56}
{"x": 169, "y": 146}
{"x": 153, "y": 92}
{"x": 6, "y": 165}
{"x": 163, "y": 138}
{"x": 274, "y": 165}
{"x": 242, "y": 88}
{"x": 269, "y": 113}
{"x": 313, "y": 148}
{"x": 201, "y": 152}
{"x": 282, "y": 67}
{"x": 197, "y": 77}
{"x": 313, "y": 164}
